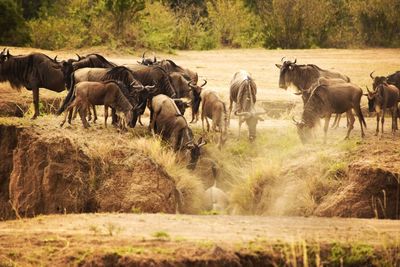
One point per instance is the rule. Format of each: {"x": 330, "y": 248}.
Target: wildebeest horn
{"x": 240, "y": 114}
{"x": 150, "y": 86}
{"x": 295, "y": 60}
{"x": 154, "y": 58}
{"x": 370, "y": 75}
{"x": 8, "y": 52}
{"x": 79, "y": 57}
{"x": 282, "y": 59}
{"x": 205, "y": 82}
{"x": 55, "y": 59}
{"x": 190, "y": 84}
{"x": 201, "y": 142}
{"x": 144, "y": 53}
{"x": 369, "y": 92}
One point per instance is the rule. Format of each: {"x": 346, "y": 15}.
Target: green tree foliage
{"x": 13, "y": 27}
{"x": 200, "y": 24}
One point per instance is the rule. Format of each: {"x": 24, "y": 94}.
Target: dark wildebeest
{"x": 391, "y": 79}
{"x": 148, "y": 61}
{"x": 168, "y": 122}
{"x": 106, "y": 93}
{"x": 169, "y": 66}
{"x": 189, "y": 89}
{"x": 150, "y": 75}
{"x": 385, "y": 96}
{"x": 326, "y": 100}
{"x": 243, "y": 91}
{"x": 32, "y": 71}
{"x": 119, "y": 73}
{"x": 71, "y": 65}
{"x": 214, "y": 108}
{"x": 302, "y": 77}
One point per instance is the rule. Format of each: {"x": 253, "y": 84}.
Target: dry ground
{"x": 73, "y": 239}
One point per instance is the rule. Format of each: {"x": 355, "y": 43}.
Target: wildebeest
{"x": 106, "y": 93}
{"x": 32, "y": 71}
{"x": 243, "y": 91}
{"x": 168, "y": 122}
{"x": 214, "y": 108}
{"x": 390, "y": 79}
{"x": 326, "y": 100}
{"x": 170, "y": 66}
{"x": 189, "y": 89}
{"x": 385, "y": 96}
{"x": 148, "y": 61}
{"x": 150, "y": 75}
{"x": 214, "y": 198}
{"x": 303, "y": 76}
{"x": 119, "y": 73}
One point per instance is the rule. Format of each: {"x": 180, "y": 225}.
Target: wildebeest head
{"x": 287, "y": 70}
{"x": 148, "y": 61}
{"x": 194, "y": 152}
{"x": 377, "y": 80}
{"x": 251, "y": 119}
{"x": 196, "y": 91}
{"x": 181, "y": 105}
{"x": 304, "y": 131}
{"x": 5, "y": 55}
{"x": 375, "y": 98}
{"x": 139, "y": 94}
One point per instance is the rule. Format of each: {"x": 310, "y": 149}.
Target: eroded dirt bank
{"x": 45, "y": 173}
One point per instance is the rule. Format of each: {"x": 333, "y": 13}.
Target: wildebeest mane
{"x": 17, "y": 71}
{"x": 120, "y": 73}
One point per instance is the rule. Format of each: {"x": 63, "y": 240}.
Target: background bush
{"x": 200, "y": 24}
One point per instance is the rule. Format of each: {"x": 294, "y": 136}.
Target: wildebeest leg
{"x": 351, "y": 123}
{"x": 230, "y": 111}
{"x": 82, "y": 114}
{"x": 383, "y": 119}
{"x": 35, "y": 92}
{"x": 68, "y": 112}
{"x": 377, "y": 123}
{"x": 89, "y": 115}
{"x": 105, "y": 115}
{"x": 360, "y": 119}
{"x": 94, "y": 113}
{"x": 326, "y": 126}
{"x": 335, "y": 123}
{"x": 114, "y": 117}
{"x": 208, "y": 124}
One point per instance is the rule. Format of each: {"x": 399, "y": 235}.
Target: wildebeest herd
{"x": 162, "y": 86}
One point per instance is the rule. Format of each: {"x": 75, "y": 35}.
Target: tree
{"x": 123, "y": 10}
{"x": 14, "y": 30}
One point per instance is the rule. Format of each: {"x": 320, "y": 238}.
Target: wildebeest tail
{"x": 70, "y": 96}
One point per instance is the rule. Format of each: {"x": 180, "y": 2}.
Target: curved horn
{"x": 154, "y": 58}
{"x": 369, "y": 92}
{"x": 8, "y": 52}
{"x": 247, "y": 114}
{"x": 191, "y": 85}
{"x": 205, "y": 82}
{"x": 144, "y": 53}
{"x": 295, "y": 60}
{"x": 55, "y": 59}
{"x": 202, "y": 142}
{"x": 282, "y": 59}
{"x": 79, "y": 57}
{"x": 370, "y": 75}
{"x": 150, "y": 86}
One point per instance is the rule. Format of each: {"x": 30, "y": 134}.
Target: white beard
{"x": 293, "y": 88}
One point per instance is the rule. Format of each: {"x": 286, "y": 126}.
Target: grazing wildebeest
{"x": 214, "y": 108}
{"x": 148, "y": 61}
{"x": 189, "y": 89}
{"x": 385, "y": 96}
{"x": 168, "y": 122}
{"x": 31, "y": 71}
{"x": 243, "y": 93}
{"x": 326, "y": 100}
{"x": 106, "y": 93}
